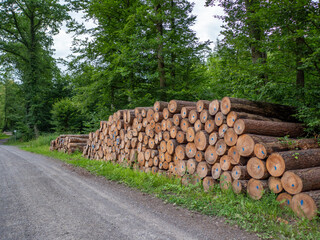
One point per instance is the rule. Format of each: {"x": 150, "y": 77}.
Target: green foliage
{"x": 67, "y": 117}
{"x": 26, "y": 33}
{"x": 11, "y": 104}
{"x": 268, "y": 53}
{"x": 134, "y": 45}
{"x": 4, "y": 136}
{"x": 270, "y": 222}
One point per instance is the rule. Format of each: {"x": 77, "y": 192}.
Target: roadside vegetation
{"x": 4, "y": 136}
{"x": 264, "y": 217}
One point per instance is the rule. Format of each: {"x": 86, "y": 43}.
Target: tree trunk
{"x": 160, "y": 57}
{"x": 175, "y": 106}
{"x": 255, "y": 34}
{"x": 262, "y": 150}
{"x": 234, "y": 116}
{"x": 296, "y": 181}
{"x": 270, "y": 110}
{"x": 268, "y": 128}
{"x": 278, "y": 163}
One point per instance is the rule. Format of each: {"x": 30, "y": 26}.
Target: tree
{"x": 26, "y": 31}
{"x": 139, "y": 51}
{"x": 281, "y": 38}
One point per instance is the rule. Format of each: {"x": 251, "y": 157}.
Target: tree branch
{"x": 13, "y": 52}
{"x": 23, "y": 10}
{"x": 18, "y": 28}
{"x": 13, "y": 34}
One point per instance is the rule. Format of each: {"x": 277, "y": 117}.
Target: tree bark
{"x": 296, "y": 181}
{"x": 278, "y": 163}
{"x": 270, "y": 110}
{"x": 268, "y": 128}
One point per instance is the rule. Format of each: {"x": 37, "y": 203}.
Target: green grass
{"x": 264, "y": 217}
{"x": 4, "y": 136}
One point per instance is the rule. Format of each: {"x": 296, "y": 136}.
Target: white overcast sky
{"x": 207, "y": 28}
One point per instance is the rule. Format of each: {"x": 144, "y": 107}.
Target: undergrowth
{"x": 4, "y": 136}
{"x": 264, "y": 217}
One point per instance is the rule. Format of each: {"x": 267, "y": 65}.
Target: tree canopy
{"x": 138, "y": 52}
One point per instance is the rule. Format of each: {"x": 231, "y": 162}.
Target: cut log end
{"x": 256, "y": 188}
{"x": 240, "y": 173}
{"x": 201, "y": 140}
{"x": 210, "y": 155}
{"x": 219, "y": 119}
{"x": 291, "y": 182}
{"x": 221, "y": 147}
{"x": 275, "y": 185}
{"x": 208, "y": 183}
{"x": 275, "y": 165}
{"x": 213, "y": 138}
{"x": 191, "y": 166}
{"x": 214, "y": 107}
{"x": 285, "y": 199}
{"x": 216, "y": 171}
{"x": 225, "y": 105}
{"x": 225, "y": 163}
{"x": 260, "y": 151}
{"x": 257, "y": 168}
{"x": 231, "y": 118}
{"x": 239, "y": 186}
{"x": 210, "y": 126}
{"x": 304, "y": 206}
{"x": 225, "y": 180}
{"x": 202, "y": 105}
{"x": 245, "y": 145}
{"x": 230, "y": 137}
{"x": 203, "y": 170}
{"x": 191, "y": 150}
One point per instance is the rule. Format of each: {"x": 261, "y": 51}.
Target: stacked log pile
{"x": 69, "y": 143}
{"x": 237, "y": 143}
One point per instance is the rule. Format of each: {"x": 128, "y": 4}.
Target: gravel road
{"x": 43, "y": 198}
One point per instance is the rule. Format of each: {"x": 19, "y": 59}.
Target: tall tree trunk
{"x": 255, "y": 33}
{"x": 299, "y": 55}
{"x": 160, "y": 57}
{"x": 173, "y": 29}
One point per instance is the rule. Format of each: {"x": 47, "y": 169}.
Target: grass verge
{"x": 264, "y": 217}
{"x": 4, "y": 136}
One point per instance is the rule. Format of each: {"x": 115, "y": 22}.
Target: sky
{"x": 206, "y": 27}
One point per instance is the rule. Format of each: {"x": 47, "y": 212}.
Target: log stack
{"x": 237, "y": 143}
{"x": 69, "y": 143}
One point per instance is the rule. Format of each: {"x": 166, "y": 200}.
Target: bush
{"x": 67, "y": 117}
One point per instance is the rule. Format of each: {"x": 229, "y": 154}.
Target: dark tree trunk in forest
{"x": 299, "y": 56}
{"x": 255, "y": 34}
{"x": 160, "y": 58}
{"x": 173, "y": 55}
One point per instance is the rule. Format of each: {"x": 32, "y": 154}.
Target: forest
{"x": 139, "y": 52}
